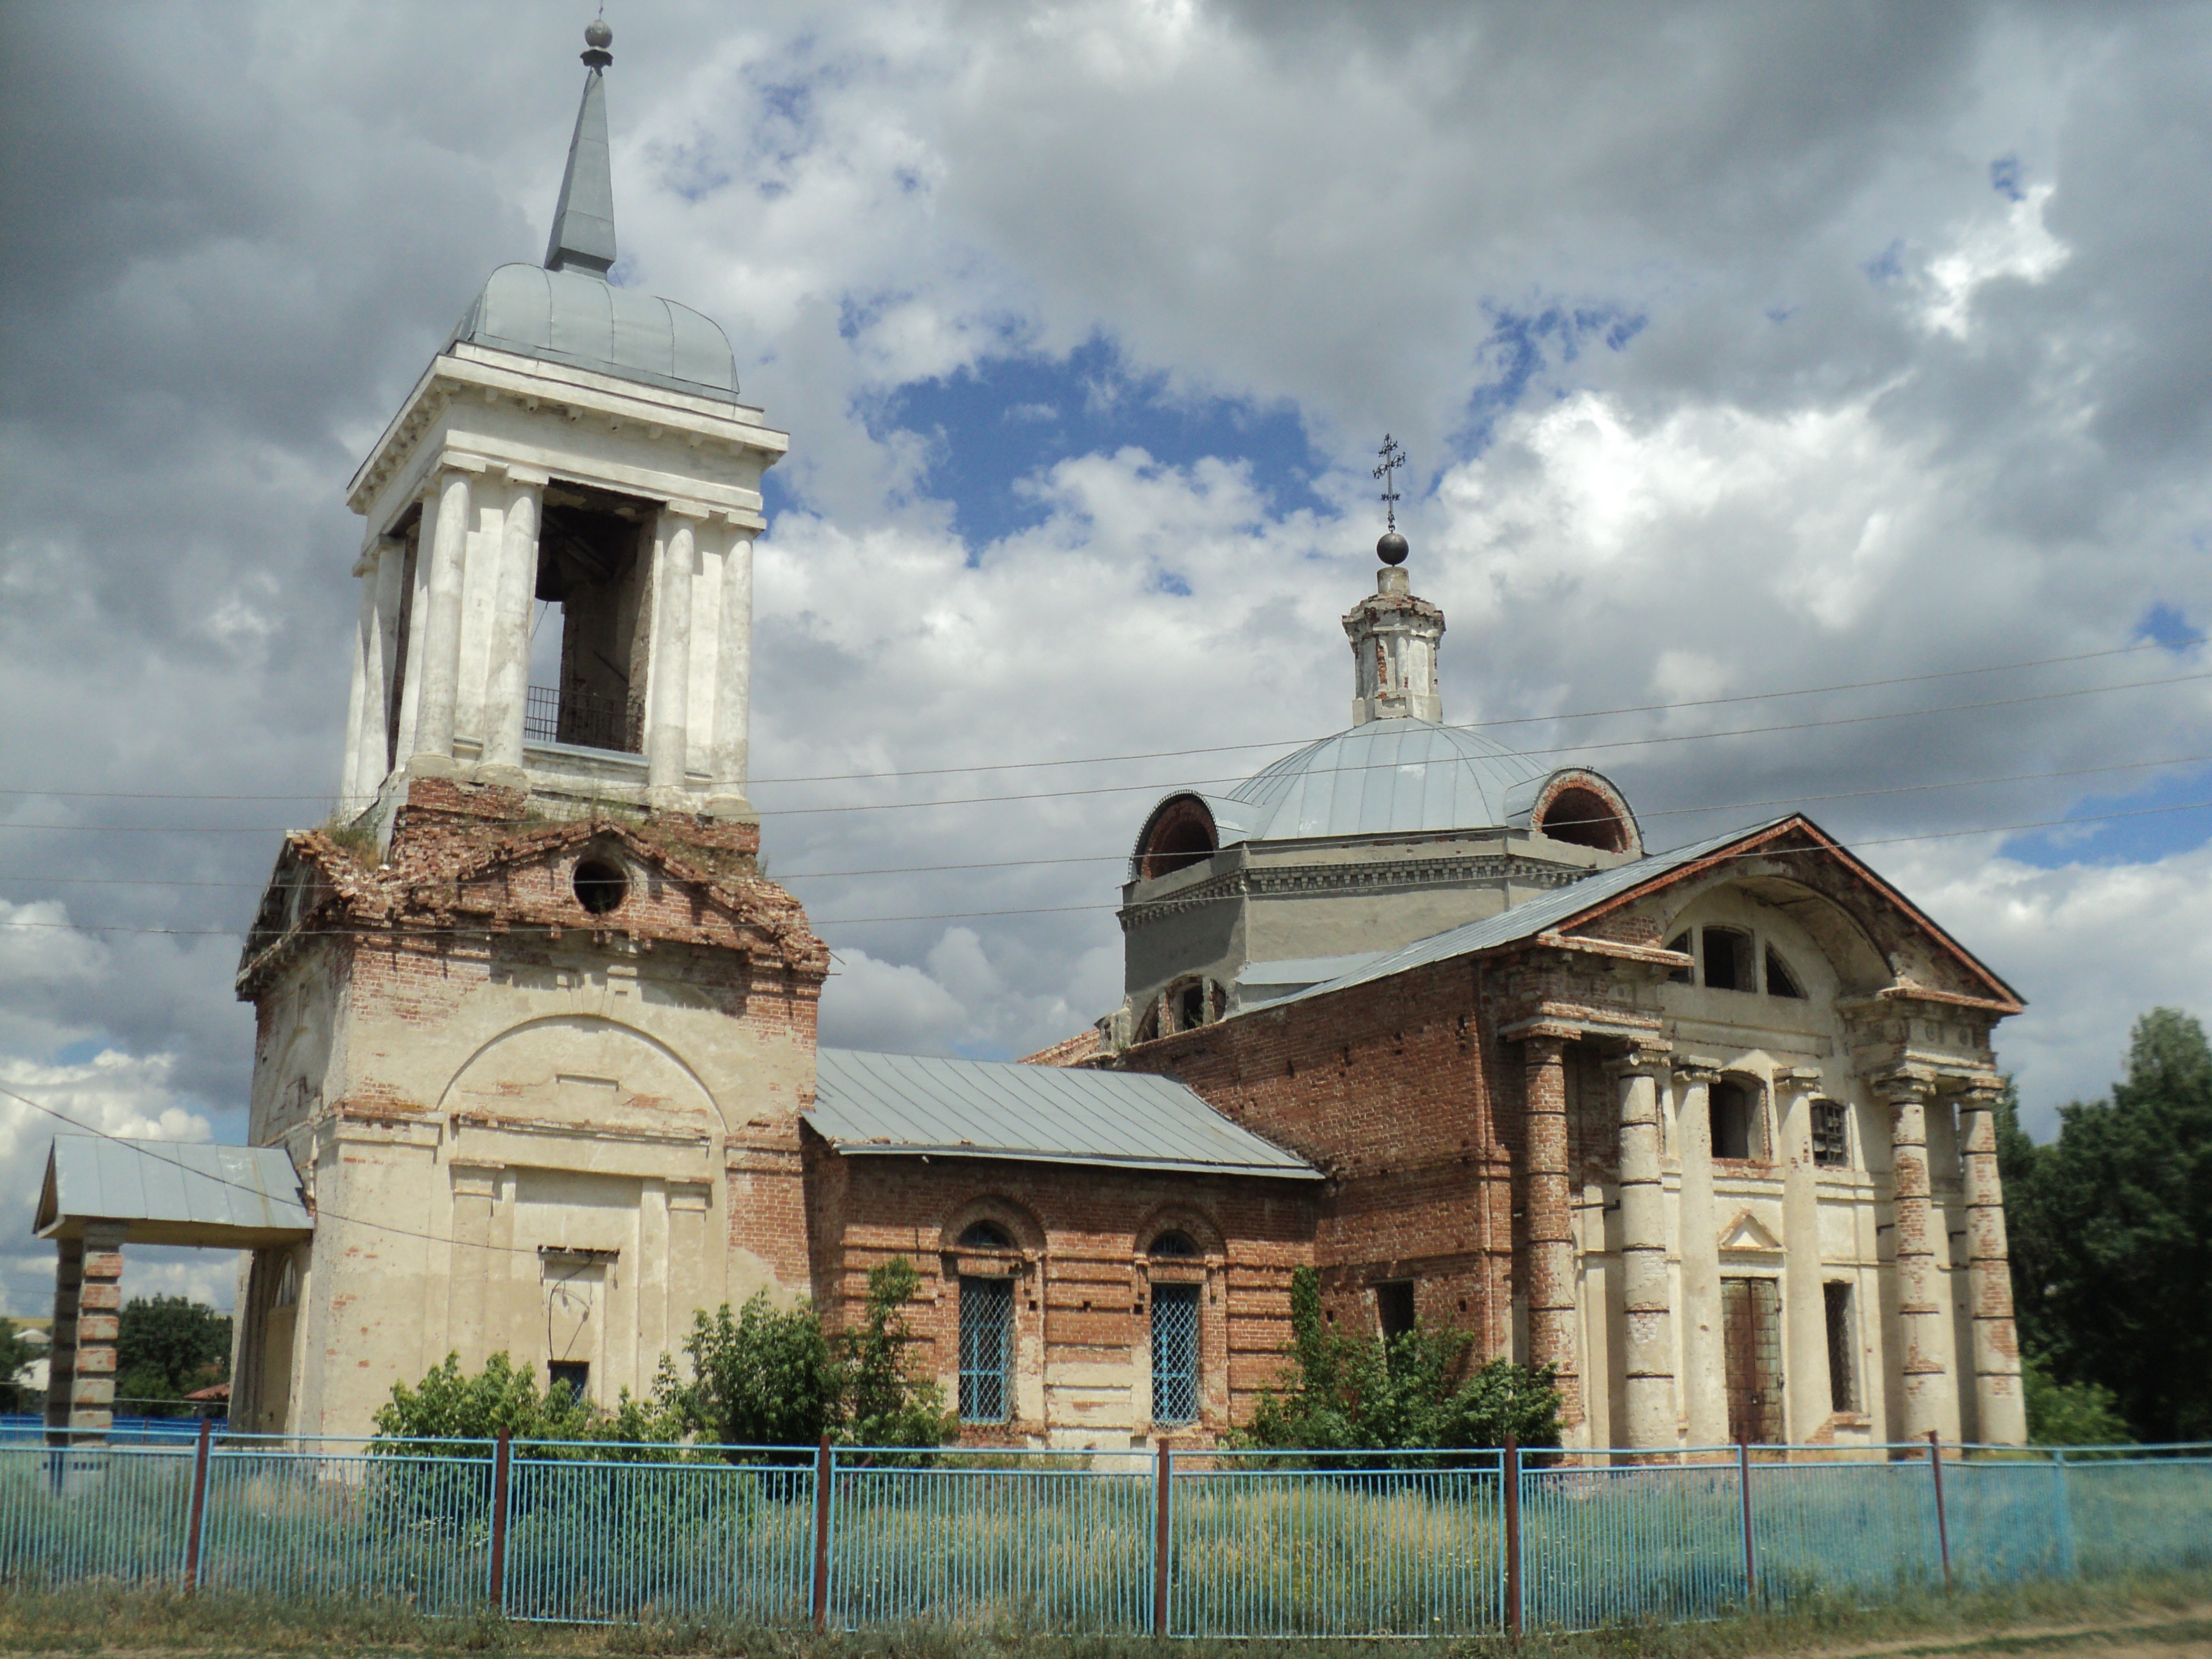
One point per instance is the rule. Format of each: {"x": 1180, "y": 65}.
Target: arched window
{"x": 986, "y": 1346}
{"x": 985, "y": 1236}
{"x": 1735, "y": 1127}
{"x": 1728, "y": 963}
{"x": 1174, "y": 1244}
{"x": 1780, "y": 981}
{"x": 1180, "y": 834}
{"x": 1688, "y": 976}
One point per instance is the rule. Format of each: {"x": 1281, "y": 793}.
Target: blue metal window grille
{"x": 986, "y": 1344}
{"x": 1175, "y": 1353}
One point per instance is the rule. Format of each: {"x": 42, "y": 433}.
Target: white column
{"x": 1804, "y": 1303}
{"x": 1999, "y": 1408}
{"x": 506, "y": 686}
{"x": 1646, "y": 1303}
{"x": 349, "y": 800}
{"x": 1704, "y": 1379}
{"x": 1921, "y": 1304}
{"x": 439, "y": 633}
{"x": 670, "y": 662}
{"x": 733, "y": 683}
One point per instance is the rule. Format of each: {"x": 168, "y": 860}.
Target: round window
{"x": 601, "y": 886}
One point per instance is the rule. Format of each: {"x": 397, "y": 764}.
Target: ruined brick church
{"x": 1709, "y": 1131}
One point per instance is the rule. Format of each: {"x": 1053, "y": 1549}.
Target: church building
{"x": 1709, "y": 1131}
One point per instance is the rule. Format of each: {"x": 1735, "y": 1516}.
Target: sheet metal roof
{"x": 167, "y": 1192}
{"x": 909, "y": 1105}
{"x": 1526, "y": 920}
{"x": 578, "y": 318}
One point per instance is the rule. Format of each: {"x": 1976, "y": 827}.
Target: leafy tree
{"x": 1414, "y": 1392}
{"x": 883, "y": 1399}
{"x": 2111, "y": 1228}
{"x": 168, "y": 1346}
{"x": 15, "y": 1354}
{"x": 2069, "y": 1414}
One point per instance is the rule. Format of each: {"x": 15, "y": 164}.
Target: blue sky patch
{"x": 996, "y": 423}
{"x": 1887, "y": 265}
{"x": 2163, "y": 624}
{"x": 2169, "y": 820}
{"x": 2006, "y": 176}
{"x": 1523, "y": 345}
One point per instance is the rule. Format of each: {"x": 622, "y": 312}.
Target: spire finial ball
{"x": 1391, "y": 548}
{"x": 598, "y": 35}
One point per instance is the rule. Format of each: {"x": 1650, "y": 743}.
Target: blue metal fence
{"x": 1193, "y": 1543}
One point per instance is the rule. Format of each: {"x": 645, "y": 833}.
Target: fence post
{"x": 1942, "y": 1522}
{"x": 2065, "y": 1515}
{"x": 1750, "y": 1549}
{"x": 199, "y": 1505}
{"x": 825, "y": 1463}
{"x": 501, "y": 1456}
{"x": 1512, "y": 1472}
{"x": 1162, "y": 1535}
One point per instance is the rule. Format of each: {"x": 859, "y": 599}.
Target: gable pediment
{"x": 1748, "y": 1234}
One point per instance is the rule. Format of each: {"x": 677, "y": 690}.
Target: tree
{"x": 15, "y": 1354}
{"x": 167, "y": 1347}
{"x": 2110, "y": 1230}
{"x": 2069, "y": 1414}
{"x": 883, "y": 1401}
{"x": 450, "y": 1405}
{"x": 1411, "y": 1393}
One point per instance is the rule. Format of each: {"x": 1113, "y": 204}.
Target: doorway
{"x": 1750, "y": 1339}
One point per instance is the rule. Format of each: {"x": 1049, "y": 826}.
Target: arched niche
{"x": 583, "y": 1070}
{"x": 1842, "y": 940}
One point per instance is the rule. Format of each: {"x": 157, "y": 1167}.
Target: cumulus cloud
{"x": 1737, "y": 351}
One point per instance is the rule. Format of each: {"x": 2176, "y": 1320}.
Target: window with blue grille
{"x": 1175, "y": 1353}
{"x": 987, "y": 1348}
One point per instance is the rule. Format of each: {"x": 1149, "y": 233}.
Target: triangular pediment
{"x": 1746, "y": 1233}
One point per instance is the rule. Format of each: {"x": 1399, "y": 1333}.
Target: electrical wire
{"x": 1027, "y": 910}
{"x": 1122, "y": 857}
{"x": 1187, "y": 783}
{"x": 1285, "y": 743}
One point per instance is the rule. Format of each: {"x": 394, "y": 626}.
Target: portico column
{"x": 81, "y": 1363}
{"x": 1920, "y": 1301}
{"x": 439, "y": 632}
{"x": 668, "y": 741}
{"x": 1549, "y": 1202}
{"x": 357, "y": 698}
{"x": 1704, "y": 1382}
{"x": 507, "y": 692}
{"x": 733, "y": 682}
{"x": 1804, "y": 1304}
{"x": 372, "y": 751}
{"x": 2000, "y": 1406}
{"x": 1646, "y": 1299}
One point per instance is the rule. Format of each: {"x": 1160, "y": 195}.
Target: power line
{"x": 1119, "y": 857}
{"x": 510, "y": 930}
{"x": 1188, "y": 783}
{"x": 1282, "y": 742}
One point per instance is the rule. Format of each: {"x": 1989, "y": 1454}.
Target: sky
{"x": 1737, "y": 351}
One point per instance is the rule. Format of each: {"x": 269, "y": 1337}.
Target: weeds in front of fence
{"x": 96, "y": 1616}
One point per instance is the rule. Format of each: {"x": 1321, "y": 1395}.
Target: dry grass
{"x": 2166, "y": 1615}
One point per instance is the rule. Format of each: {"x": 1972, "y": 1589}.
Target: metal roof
{"x": 578, "y": 318}
{"x": 913, "y": 1104}
{"x": 1526, "y": 920}
{"x": 167, "y": 1192}
{"x": 1388, "y": 775}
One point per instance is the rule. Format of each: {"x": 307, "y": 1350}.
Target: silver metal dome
{"x": 1380, "y": 776}
{"x": 576, "y": 317}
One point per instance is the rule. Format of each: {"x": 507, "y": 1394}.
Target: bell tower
{"x": 557, "y": 578}
{"x": 534, "y": 1031}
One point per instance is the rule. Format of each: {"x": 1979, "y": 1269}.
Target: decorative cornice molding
{"x": 1314, "y": 880}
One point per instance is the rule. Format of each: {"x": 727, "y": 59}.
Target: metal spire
{"x": 584, "y": 218}
{"x": 1391, "y": 548}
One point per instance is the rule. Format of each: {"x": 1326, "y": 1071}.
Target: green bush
{"x": 1414, "y": 1392}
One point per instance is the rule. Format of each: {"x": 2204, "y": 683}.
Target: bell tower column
{"x": 439, "y": 632}
{"x": 733, "y": 681}
{"x": 668, "y": 740}
{"x": 507, "y": 691}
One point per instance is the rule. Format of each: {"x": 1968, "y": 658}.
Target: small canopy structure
{"x": 238, "y": 1198}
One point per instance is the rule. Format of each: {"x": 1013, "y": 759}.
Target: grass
{"x": 2172, "y": 1610}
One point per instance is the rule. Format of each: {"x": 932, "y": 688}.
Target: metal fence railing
{"x": 1211, "y": 1543}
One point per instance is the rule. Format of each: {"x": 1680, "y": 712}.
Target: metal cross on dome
{"x": 1393, "y": 458}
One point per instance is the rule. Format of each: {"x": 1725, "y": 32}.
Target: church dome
{"x": 1385, "y": 776}
{"x": 580, "y": 318}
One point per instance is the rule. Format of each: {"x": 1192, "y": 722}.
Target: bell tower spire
{"x": 584, "y": 218}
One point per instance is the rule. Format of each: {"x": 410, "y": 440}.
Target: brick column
{"x": 81, "y": 1363}
{"x": 1920, "y": 1298}
{"x": 1549, "y": 1204}
{"x": 2000, "y": 1406}
{"x": 1646, "y": 1299}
